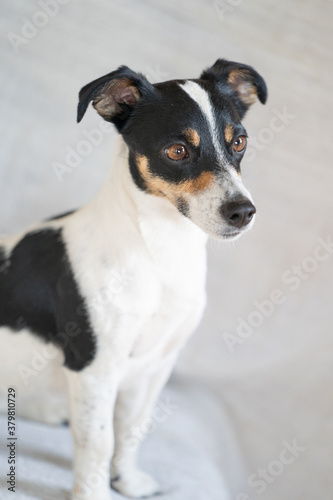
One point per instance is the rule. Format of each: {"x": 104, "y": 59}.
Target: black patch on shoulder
{"x": 70, "y": 212}
{"x": 38, "y": 291}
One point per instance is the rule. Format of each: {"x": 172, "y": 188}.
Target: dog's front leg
{"x": 134, "y": 406}
{"x": 92, "y": 393}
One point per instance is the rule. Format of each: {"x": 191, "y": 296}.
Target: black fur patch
{"x": 182, "y": 206}
{"x": 165, "y": 117}
{"x": 152, "y": 118}
{"x": 3, "y": 260}
{"x": 140, "y": 182}
{"x": 38, "y": 291}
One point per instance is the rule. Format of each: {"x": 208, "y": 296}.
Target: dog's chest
{"x": 171, "y": 293}
{"x": 141, "y": 286}
{"x": 147, "y": 287}
{"x": 151, "y": 293}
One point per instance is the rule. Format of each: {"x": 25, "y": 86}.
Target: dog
{"x": 107, "y": 295}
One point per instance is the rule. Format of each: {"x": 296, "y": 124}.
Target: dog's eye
{"x": 239, "y": 143}
{"x": 176, "y": 152}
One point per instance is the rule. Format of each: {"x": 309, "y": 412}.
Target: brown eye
{"x": 176, "y": 152}
{"x": 239, "y": 143}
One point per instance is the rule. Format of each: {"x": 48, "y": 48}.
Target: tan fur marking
{"x": 106, "y": 103}
{"x": 198, "y": 184}
{"x": 235, "y": 76}
{"x": 163, "y": 188}
{"x": 229, "y": 132}
{"x": 239, "y": 81}
{"x": 142, "y": 163}
{"x": 192, "y": 136}
{"x": 155, "y": 185}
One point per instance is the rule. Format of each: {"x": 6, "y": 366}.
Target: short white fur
{"x": 141, "y": 327}
{"x": 141, "y": 324}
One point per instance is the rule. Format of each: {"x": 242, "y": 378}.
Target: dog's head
{"x": 185, "y": 138}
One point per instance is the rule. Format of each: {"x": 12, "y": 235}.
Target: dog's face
{"x": 185, "y": 139}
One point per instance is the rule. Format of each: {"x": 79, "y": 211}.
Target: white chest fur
{"x": 141, "y": 266}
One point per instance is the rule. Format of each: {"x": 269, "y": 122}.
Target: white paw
{"x": 136, "y": 484}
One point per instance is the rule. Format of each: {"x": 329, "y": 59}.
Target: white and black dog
{"x": 109, "y": 294}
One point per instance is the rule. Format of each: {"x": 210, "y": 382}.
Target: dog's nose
{"x": 238, "y": 213}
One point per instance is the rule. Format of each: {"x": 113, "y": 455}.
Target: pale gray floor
{"x": 235, "y": 409}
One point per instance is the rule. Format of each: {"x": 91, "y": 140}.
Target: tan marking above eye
{"x": 239, "y": 143}
{"x": 176, "y": 152}
{"x": 229, "y": 132}
{"x": 192, "y": 136}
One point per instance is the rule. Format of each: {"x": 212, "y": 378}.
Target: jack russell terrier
{"x": 110, "y": 293}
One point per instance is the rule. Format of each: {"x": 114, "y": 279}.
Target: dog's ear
{"x": 114, "y": 95}
{"x": 246, "y": 84}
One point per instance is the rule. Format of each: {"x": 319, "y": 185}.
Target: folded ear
{"x": 114, "y": 95}
{"x": 244, "y": 81}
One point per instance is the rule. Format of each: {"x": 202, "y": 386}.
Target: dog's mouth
{"x": 231, "y": 236}
{"x": 233, "y": 233}
{"x": 225, "y": 233}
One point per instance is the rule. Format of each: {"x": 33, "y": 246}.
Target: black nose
{"x": 238, "y": 213}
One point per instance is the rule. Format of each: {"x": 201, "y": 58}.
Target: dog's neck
{"x": 158, "y": 221}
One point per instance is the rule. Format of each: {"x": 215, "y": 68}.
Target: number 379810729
{"x": 11, "y": 410}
